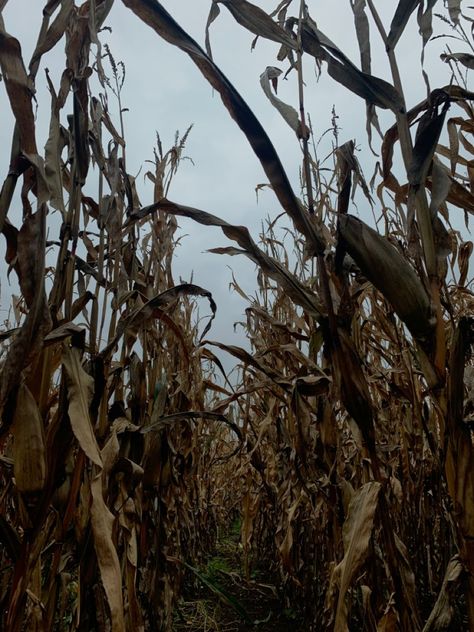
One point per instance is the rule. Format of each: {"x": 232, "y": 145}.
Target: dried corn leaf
{"x": 51, "y": 35}
{"x": 28, "y": 343}
{"x": 442, "y": 613}
{"x": 391, "y": 274}
{"x": 425, "y": 23}
{"x": 465, "y": 252}
{"x": 445, "y": 94}
{"x": 427, "y": 137}
{"x": 403, "y": 575}
{"x": 254, "y": 19}
{"x": 214, "y": 12}
{"x": 27, "y": 263}
{"x": 159, "y": 19}
{"x": 29, "y": 452}
{"x": 389, "y": 621}
{"x": 167, "y": 420}
{"x": 52, "y": 154}
{"x": 357, "y": 531}
{"x": 286, "y": 545}
{"x": 466, "y": 59}
{"x": 354, "y": 389}
{"x": 80, "y": 387}
{"x": 298, "y": 292}
{"x": 20, "y": 89}
{"x": 402, "y": 14}
{"x": 453, "y": 145}
{"x": 461, "y": 197}
{"x": 288, "y": 113}
{"x": 363, "y": 39}
{"x": 374, "y": 90}
{"x": 102, "y": 521}
{"x": 151, "y": 309}
{"x": 363, "y": 33}
{"x": 454, "y": 7}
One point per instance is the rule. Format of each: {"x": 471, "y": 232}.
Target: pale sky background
{"x": 164, "y": 91}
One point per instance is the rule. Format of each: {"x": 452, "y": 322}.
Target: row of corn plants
{"x": 107, "y": 455}
{"x": 355, "y": 401}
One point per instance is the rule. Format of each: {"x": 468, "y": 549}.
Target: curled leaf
{"x": 290, "y": 115}
{"x": 465, "y": 59}
{"x": 391, "y": 274}
{"x": 80, "y": 391}
{"x": 357, "y": 531}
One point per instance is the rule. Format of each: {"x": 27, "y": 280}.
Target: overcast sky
{"x": 165, "y": 92}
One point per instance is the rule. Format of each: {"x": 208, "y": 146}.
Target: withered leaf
{"x": 300, "y": 294}
{"x": 402, "y": 14}
{"x": 454, "y": 7}
{"x": 442, "y": 614}
{"x": 102, "y": 521}
{"x": 29, "y": 451}
{"x": 20, "y": 90}
{"x": 155, "y": 16}
{"x": 427, "y": 137}
{"x": 466, "y": 59}
{"x": 391, "y": 274}
{"x": 357, "y": 531}
{"x": 80, "y": 392}
{"x": 374, "y": 90}
{"x": 289, "y": 114}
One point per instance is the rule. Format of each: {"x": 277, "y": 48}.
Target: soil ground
{"x": 218, "y": 597}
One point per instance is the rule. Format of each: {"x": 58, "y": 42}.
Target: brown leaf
{"x": 442, "y": 614}
{"x": 354, "y": 390}
{"x": 454, "y": 7}
{"x": 402, "y": 14}
{"x": 289, "y": 114}
{"x": 425, "y": 20}
{"x": 298, "y": 292}
{"x": 155, "y": 16}
{"x": 62, "y": 332}
{"x": 27, "y": 245}
{"x": 50, "y": 35}
{"x": 20, "y": 90}
{"x": 28, "y": 342}
{"x": 391, "y": 273}
{"x": 466, "y": 59}
{"x": 440, "y": 95}
{"x": 374, "y": 90}
{"x": 152, "y": 309}
{"x": 453, "y": 145}
{"x": 52, "y": 154}
{"x": 363, "y": 33}
{"x": 80, "y": 391}
{"x": 254, "y": 19}
{"x": 357, "y": 531}
{"x": 102, "y": 521}
{"x": 213, "y": 14}
{"x": 29, "y": 452}
{"x": 465, "y": 252}
{"x": 427, "y": 137}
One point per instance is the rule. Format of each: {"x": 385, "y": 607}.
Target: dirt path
{"x": 218, "y": 598}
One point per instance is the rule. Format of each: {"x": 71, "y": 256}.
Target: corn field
{"x": 342, "y": 450}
